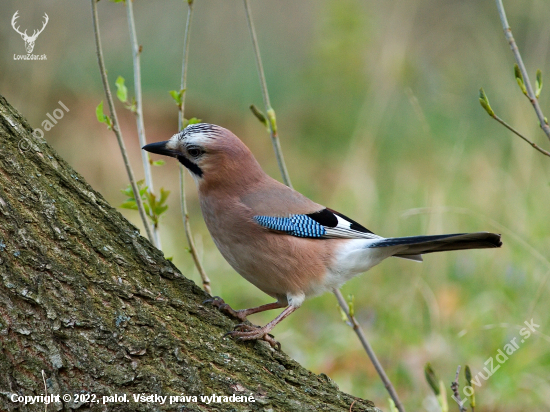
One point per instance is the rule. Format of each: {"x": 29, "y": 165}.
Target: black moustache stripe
{"x": 193, "y": 168}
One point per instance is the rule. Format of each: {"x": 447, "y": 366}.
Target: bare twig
{"x": 186, "y": 38}
{"x": 484, "y": 101}
{"x": 456, "y": 395}
{"x": 272, "y": 121}
{"x": 361, "y": 335}
{"x": 530, "y": 94}
{"x": 45, "y": 389}
{"x": 115, "y": 127}
{"x": 272, "y": 124}
{"x": 189, "y": 235}
{"x": 136, "y": 52}
{"x": 181, "y": 119}
{"x": 534, "y": 145}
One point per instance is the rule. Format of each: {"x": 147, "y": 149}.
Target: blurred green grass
{"x": 379, "y": 119}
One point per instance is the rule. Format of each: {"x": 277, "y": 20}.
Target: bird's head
{"x": 211, "y": 153}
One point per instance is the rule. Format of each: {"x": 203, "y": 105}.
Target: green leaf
{"x": 177, "y": 96}
{"x": 259, "y": 115}
{"x": 102, "y": 117}
{"x": 442, "y": 397}
{"x": 393, "y": 408}
{"x": 193, "y": 120}
{"x": 431, "y": 379}
{"x": 484, "y": 101}
{"x": 132, "y": 106}
{"x": 154, "y": 207}
{"x": 519, "y": 79}
{"x": 468, "y": 374}
{"x": 122, "y": 90}
{"x": 159, "y": 206}
{"x": 472, "y": 397}
{"x": 160, "y": 210}
{"x": 163, "y": 195}
{"x": 128, "y": 191}
{"x": 351, "y": 305}
{"x": 158, "y": 163}
{"x": 130, "y": 204}
{"x": 99, "y": 112}
{"x": 272, "y": 119}
{"x": 117, "y": 1}
{"x": 342, "y": 313}
{"x": 539, "y": 83}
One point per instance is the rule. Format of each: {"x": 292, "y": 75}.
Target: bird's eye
{"x": 195, "y": 151}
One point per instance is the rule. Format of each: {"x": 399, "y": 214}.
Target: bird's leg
{"x": 242, "y": 313}
{"x": 248, "y": 332}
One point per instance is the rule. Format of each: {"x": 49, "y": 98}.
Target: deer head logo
{"x": 29, "y": 40}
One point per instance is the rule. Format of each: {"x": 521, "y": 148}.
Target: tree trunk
{"x": 90, "y": 309}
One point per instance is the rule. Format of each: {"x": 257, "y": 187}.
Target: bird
{"x": 279, "y": 240}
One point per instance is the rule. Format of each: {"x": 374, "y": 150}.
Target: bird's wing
{"x": 325, "y": 223}
{"x": 280, "y": 208}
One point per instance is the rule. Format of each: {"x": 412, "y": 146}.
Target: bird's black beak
{"x": 159, "y": 148}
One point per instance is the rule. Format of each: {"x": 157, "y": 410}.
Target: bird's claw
{"x": 249, "y": 332}
{"x": 214, "y": 300}
{"x": 243, "y": 331}
{"x": 219, "y": 303}
{"x": 245, "y": 327}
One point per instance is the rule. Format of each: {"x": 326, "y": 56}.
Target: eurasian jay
{"x": 279, "y": 240}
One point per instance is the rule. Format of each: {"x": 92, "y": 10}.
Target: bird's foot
{"x": 249, "y": 332}
{"x": 219, "y": 303}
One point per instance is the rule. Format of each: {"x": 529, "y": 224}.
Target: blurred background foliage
{"x": 379, "y": 118}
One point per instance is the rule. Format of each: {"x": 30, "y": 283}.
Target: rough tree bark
{"x": 91, "y": 303}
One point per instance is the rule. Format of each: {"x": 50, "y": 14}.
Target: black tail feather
{"x": 415, "y": 245}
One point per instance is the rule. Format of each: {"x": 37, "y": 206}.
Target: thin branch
{"x": 361, "y": 335}
{"x": 456, "y": 395}
{"x": 136, "y": 52}
{"x": 189, "y": 235}
{"x": 530, "y": 94}
{"x": 115, "y": 127}
{"x": 45, "y": 389}
{"x": 186, "y": 38}
{"x": 272, "y": 121}
{"x": 181, "y": 119}
{"x": 534, "y": 145}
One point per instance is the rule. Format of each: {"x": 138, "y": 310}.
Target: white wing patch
{"x": 343, "y": 230}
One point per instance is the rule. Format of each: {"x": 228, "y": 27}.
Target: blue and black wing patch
{"x": 295, "y": 225}
{"x": 325, "y": 223}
